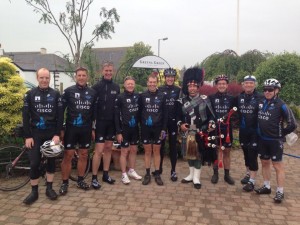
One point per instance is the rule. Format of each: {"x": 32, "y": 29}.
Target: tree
{"x": 89, "y": 59}
{"x": 226, "y": 62}
{"x": 132, "y": 54}
{"x": 286, "y": 69}
{"x": 72, "y": 22}
{"x": 12, "y": 91}
{"x": 249, "y": 61}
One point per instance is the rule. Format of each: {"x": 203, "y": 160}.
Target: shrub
{"x": 233, "y": 89}
{"x": 12, "y": 90}
{"x": 296, "y": 110}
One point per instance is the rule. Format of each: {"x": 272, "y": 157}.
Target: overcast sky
{"x": 195, "y": 28}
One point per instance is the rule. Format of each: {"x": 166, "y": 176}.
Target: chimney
{"x": 43, "y": 51}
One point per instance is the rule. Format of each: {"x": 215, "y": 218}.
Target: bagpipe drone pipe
{"x": 225, "y": 120}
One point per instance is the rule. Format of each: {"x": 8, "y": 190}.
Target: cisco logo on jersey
{"x": 133, "y": 107}
{"x": 44, "y": 108}
{"x": 152, "y": 107}
{"x": 221, "y": 109}
{"x": 247, "y": 109}
{"x": 83, "y": 104}
{"x": 264, "y": 115}
{"x": 171, "y": 100}
{"x": 41, "y": 108}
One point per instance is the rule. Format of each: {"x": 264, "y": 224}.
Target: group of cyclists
{"x": 103, "y": 114}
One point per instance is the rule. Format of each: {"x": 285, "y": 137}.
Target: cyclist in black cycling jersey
{"x": 42, "y": 121}
{"x": 222, "y": 102}
{"x": 80, "y": 102}
{"x": 153, "y": 126}
{"x": 127, "y": 115}
{"x": 247, "y": 104}
{"x": 107, "y": 91}
{"x": 272, "y": 113}
{"x": 172, "y": 92}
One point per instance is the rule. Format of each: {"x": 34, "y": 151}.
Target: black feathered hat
{"x": 193, "y": 75}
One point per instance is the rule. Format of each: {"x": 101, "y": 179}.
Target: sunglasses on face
{"x": 268, "y": 89}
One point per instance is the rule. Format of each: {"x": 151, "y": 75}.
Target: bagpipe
{"x": 210, "y": 138}
{"x": 225, "y": 120}
{"x": 190, "y": 148}
{"x": 189, "y": 144}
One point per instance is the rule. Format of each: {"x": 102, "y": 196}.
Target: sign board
{"x": 152, "y": 62}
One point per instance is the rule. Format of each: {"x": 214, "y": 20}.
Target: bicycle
{"x": 15, "y": 167}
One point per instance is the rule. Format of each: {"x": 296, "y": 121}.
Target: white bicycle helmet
{"x": 272, "y": 83}
{"x": 50, "y": 150}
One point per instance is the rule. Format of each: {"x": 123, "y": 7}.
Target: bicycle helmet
{"x": 170, "y": 72}
{"x": 221, "y": 77}
{"x": 250, "y": 78}
{"x": 272, "y": 83}
{"x": 50, "y": 150}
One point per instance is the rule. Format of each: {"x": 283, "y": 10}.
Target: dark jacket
{"x": 172, "y": 94}
{"x": 154, "y": 111}
{"x": 127, "y": 110}
{"x": 81, "y": 105}
{"x": 271, "y": 115}
{"x": 43, "y": 110}
{"x": 247, "y": 105}
{"x": 222, "y": 103}
{"x": 107, "y": 91}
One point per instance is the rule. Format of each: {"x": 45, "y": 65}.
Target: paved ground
{"x": 173, "y": 203}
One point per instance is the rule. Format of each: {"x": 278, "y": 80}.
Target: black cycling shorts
{"x": 270, "y": 149}
{"x": 34, "y": 154}
{"x": 150, "y": 135}
{"x": 130, "y": 136}
{"x": 249, "y": 144}
{"x": 80, "y": 136}
{"x": 105, "y": 131}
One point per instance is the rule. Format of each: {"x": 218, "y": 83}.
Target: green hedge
{"x": 296, "y": 111}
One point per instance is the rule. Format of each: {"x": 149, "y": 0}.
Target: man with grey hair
{"x": 107, "y": 92}
{"x": 247, "y": 103}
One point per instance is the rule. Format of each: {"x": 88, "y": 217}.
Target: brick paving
{"x": 173, "y": 203}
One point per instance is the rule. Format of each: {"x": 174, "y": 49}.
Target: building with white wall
{"x": 29, "y": 62}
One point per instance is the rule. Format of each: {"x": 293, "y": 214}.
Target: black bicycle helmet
{"x": 170, "y": 72}
{"x": 221, "y": 77}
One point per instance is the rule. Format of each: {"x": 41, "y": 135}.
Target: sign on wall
{"x": 152, "y": 62}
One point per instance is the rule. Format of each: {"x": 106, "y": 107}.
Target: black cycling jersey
{"x": 81, "y": 105}
{"x": 126, "y": 110}
{"x": 107, "y": 91}
{"x": 43, "y": 110}
{"x": 154, "y": 109}
{"x": 247, "y": 109}
{"x": 271, "y": 115}
{"x": 172, "y": 94}
{"x": 222, "y": 103}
